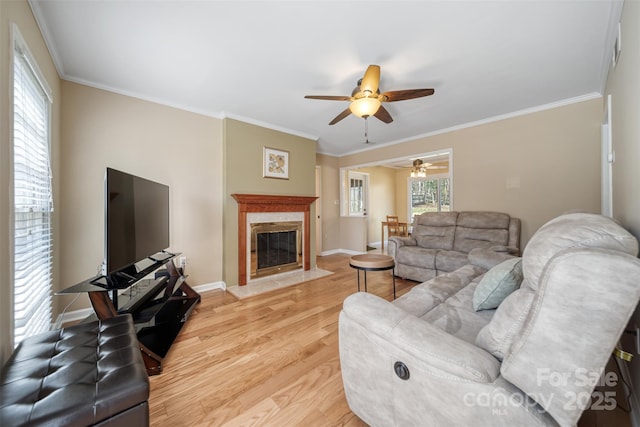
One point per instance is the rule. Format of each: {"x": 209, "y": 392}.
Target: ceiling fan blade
{"x": 329, "y": 97}
{"x": 401, "y": 95}
{"x": 371, "y": 80}
{"x": 340, "y": 116}
{"x": 383, "y": 115}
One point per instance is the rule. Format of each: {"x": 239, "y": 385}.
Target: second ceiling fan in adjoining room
{"x": 366, "y": 99}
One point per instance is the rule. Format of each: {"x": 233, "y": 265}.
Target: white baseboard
{"x": 210, "y": 286}
{"x": 72, "y": 316}
{"x": 75, "y": 315}
{"x": 343, "y": 251}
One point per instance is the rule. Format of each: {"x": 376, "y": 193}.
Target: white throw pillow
{"x": 497, "y": 284}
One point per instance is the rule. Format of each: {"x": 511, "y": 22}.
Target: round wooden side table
{"x": 373, "y": 262}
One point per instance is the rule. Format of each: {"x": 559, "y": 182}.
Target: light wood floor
{"x": 269, "y": 360}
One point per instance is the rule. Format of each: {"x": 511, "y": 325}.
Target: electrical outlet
{"x": 183, "y": 262}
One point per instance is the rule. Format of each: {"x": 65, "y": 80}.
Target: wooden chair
{"x": 394, "y": 226}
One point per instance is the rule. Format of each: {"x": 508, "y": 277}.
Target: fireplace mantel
{"x": 270, "y": 203}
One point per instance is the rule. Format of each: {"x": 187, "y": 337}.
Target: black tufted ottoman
{"x": 87, "y": 374}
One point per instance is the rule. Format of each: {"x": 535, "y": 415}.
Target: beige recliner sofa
{"x": 440, "y": 241}
{"x": 428, "y": 358}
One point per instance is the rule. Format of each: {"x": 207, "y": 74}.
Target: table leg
{"x": 394, "y": 284}
{"x": 365, "y": 281}
{"x": 358, "y": 273}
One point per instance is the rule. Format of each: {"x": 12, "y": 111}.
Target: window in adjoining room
{"x": 431, "y": 194}
{"x": 32, "y": 196}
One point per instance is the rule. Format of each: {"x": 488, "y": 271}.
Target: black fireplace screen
{"x": 276, "y": 248}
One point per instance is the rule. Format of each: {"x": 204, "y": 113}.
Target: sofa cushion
{"x": 487, "y": 258}
{"x": 497, "y": 284}
{"x": 436, "y": 219}
{"x": 434, "y": 237}
{"x": 467, "y": 238}
{"x": 507, "y": 323}
{"x": 478, "y": 219}
{"x": 481, "y": 230}
{"x": 435, "y": 230}
{"x": 426, "y": 296}
{"x": 457, "y": 317}
{"x": 417, "y": 256}
{"x": 445, "y": 302}
{"x": 450, "y": 260}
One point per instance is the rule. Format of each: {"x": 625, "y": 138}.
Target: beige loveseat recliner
{"x": 440, "y": 241}
{"x": 428, "y": 358}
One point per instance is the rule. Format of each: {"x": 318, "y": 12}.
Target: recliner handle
{"x": 401, "y": 370}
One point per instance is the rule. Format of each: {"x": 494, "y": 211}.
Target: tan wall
{"x": 533, "y": 167}
{"x": 402, "y": 179}
{"x": 243, "y": 161}
{"x": 181, "y": 149}
{"x": 353, "y": 233}
{"x": 624, "y": 86}
{"x": 330, "y": 215}
{"x": 19, "y": 13}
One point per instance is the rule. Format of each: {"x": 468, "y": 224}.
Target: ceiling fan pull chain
{"x": 366, "y": 130}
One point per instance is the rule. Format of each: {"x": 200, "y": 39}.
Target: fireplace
{"x": 276, "y": 247}
{"x": 262, "y": 208}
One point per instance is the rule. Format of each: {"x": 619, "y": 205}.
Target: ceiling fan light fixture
{"x": 364, "y": 107}
{"x": 419, "y": 169}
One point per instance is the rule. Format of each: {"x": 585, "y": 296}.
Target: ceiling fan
{"x": 366, "y": 99}
{"x": 420, "y": 168}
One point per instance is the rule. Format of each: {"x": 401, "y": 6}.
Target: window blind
{"x": 33, "y": 202}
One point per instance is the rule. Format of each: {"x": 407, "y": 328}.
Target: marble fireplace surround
{"x": 263, "y": 203}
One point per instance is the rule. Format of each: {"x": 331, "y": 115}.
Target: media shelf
{"x": 159, "y": 305}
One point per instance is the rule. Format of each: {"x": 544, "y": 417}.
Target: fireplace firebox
{"x": 276, "y": 247}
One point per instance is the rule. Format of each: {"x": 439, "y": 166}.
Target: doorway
{"x": 358, "y": 193}
{"x": 388, "y": 189}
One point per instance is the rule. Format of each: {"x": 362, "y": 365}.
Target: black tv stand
{"x": 159, "y": 306}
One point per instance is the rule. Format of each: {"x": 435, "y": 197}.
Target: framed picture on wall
{"x": 276, "y": 163}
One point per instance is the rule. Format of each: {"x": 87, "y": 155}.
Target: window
{"x": 431, "y": 194}
{"x": 32, "y": 196}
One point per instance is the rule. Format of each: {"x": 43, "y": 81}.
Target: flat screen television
{"x": 136, "y": 220}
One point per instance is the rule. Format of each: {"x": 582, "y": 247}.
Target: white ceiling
{"x": 255, "y": 61}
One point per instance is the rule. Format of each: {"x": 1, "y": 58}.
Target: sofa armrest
{"x": 423, "y": 343}
{"x": 488, "y": 258}
{"x": 396, "y": 242}
{"x": 403, "y": 241}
